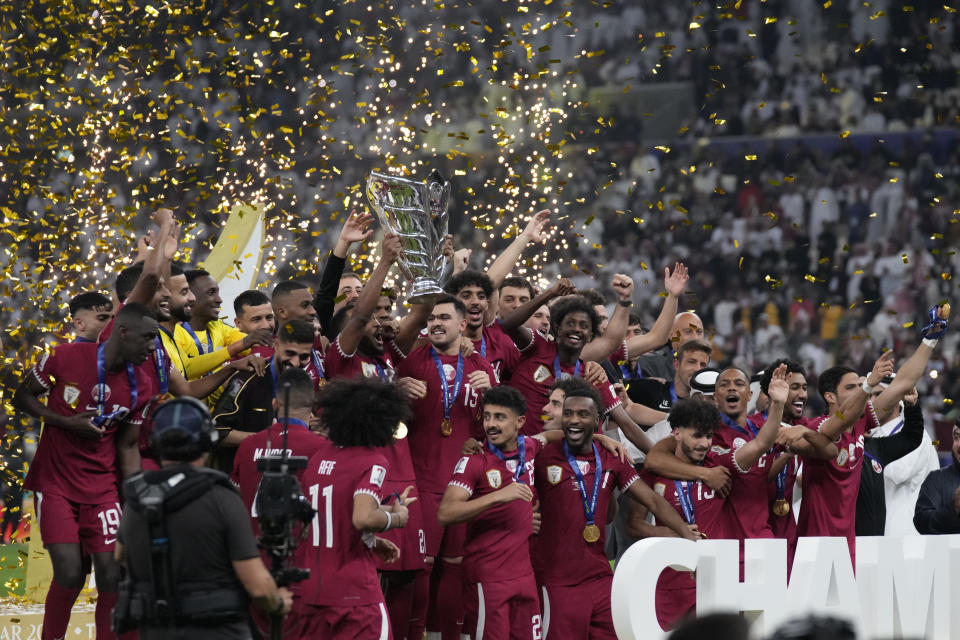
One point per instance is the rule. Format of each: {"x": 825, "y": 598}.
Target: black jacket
{"x": 935, "y": 513}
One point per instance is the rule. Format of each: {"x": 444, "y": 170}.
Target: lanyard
{"x": 686, "y": 502}
{"x": 381, "y": 372}
{"x": 558, "y": 372}
{"x": 161, "y": 366}
{"x": 483, "y": 346}
{"x": 449, "y": 397}
{"x": 727, "y": 420}
{"x": 317, "y": 363}
{"x": 673, "y": 394}
{"x": 290, "y": 421}
{"x": 518, "y": 473}
{"x": 782, "y": 481}
{"x": 274, "y": 374}
{"x": 896, "y": 428}
{"x": 589, "y": 506}
{"x": 196, "y": 339}
{"x": 101, "y": 393}
{"x": 636, "y": 374}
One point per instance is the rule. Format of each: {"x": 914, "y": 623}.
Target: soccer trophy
{"x": 417, "y": 212}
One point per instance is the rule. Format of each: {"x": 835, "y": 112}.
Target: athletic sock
{"x": 420, "y": 602}
{"x": 450, "y": 601}
{"x": 56, "y": 610}
{"x": 106, "y": 601}
{"x": 398, "y": 596}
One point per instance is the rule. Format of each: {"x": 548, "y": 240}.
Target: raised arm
{"x": 675, "y": 284}
{"x": 852, "y": 408}
{"x": 411, "y": 325}
{"x": 601, "y": 347}
{"x": 354, "y": 329}
{"x": 748, "y": 454}
{"x": 513, "y": 323}
{"x": 910, "y": 371}
{"x": 533, "y": 233}
{"x": 153, "y": 263}
{"x": 356, "y": 229}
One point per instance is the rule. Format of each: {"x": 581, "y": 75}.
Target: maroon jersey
{"x": 343, "y": 570}
{"x": 830, "y": 487}
{"x": 498, "y": 349}
{"x": 786, "y": 526}
{"x": 435, "y": 454}
{"x": 621, "y": 356}
{"x": 711, "y": 512}
{"x": 536, "y": 373}
{"x": 497, "y": 548}
{"x": 748, "y": 503}
{"x": 561, "y": 556}
{"x": 300, "y": 442}
{"x": 83, "y": 470}
{"x": 341, "y": 365}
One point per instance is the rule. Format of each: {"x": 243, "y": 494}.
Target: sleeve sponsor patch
{"x": 377, "y": 475}
{"x": 461, "y": 465}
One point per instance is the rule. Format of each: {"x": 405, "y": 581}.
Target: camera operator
{"x": 192, "y": 564}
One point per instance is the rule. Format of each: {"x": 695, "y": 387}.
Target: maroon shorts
{"x": 442, "y": 542}
{"x": 93, "y": 526}
{"x": 497, "y": 610}
{"x": 362, "y": 622}
{"x": 577, "y": 611}
{"x": 409, "y": 538}
{"x": 294, "y": 623}
{"x": 676, "y": 596}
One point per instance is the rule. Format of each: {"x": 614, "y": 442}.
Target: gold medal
{"x": 445, "y": 427}
{"x": 781, "y": 507}
{"x": 591, "y": 533}
{"x": 400, "y": 432}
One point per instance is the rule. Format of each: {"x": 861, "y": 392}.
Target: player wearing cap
{"x": 192, "y": 564}
{"x": 345, "y": 479}
{"x": 574, "y": 480}
{"x": 96, "y": 394}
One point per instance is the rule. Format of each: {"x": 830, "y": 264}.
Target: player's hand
{"x": 461, "y": 260}
{"x": 563, "y": 287}
{"x": 881, "y": 368}
{"x": 249, "y": 363}
{"x": 471, "y": 447}
{"x": 534, "y": 232}
{"x": 778, "y": 388}
{"x": 447, "y": 251}
{"x": 356, "y": 228}
{"x": 386, "y": 550}
{"x": 163, "y": 217}
{"x": 676, "y": 282}
{"x": 621, "y": 390}
{"x": 479, "y": 380}
{"x": 82, "y": 425}
{"x": 614, "y": 447}
{"x": 937, "y": 328}
{"x": 171, "y": 243}
{"x": 694, "y": 533}
{"x": 399, "y": 513}
{"x": 287, "y": 597}
{"x": 390, "y": 248}
{"x": 910, "y": 398}
{"x": 623, "y": 286}
{"x": 537, "y": 518}
{"x": 594, "y": 374}
{"x": 466, "y": 347}
{"x": 718, "y": 479}
{"x": 412, "y": 388}
{"x": 514, "y": 491}
{"x": 789, "y": 436}
{"x": 262, "y": 337}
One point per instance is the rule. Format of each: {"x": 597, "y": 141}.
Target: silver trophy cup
{"x": 417, "y": 212}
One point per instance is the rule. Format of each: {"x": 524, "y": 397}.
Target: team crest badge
{"x": 659, "y": 488}
{"x": 542, "y": 374}
{"x": 71, "y": 395}
{"x": 493, "y": 477}
{"x": 842, "y": 457}
{"x": 554, "y": 473}
{"x": 377, "y": 475}
{"x": 877, "y": 466}
{"x": 100, "y": 392}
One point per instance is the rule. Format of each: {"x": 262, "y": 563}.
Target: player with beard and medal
{"x": 90, "y": 311}
{"x": 246, "y": 405}
{"x": 831, "y": 477}
{"x": 491, "y": 491}
{"x": 96, "y": 395}
{"x": 294, "y": 419}
{"x": 545, "y": 361}
{"x": 446, "y": 399}
{"x": 255, "y": 312}
{"x": 207, "y": 334}
{"x": 575, "y": 480}
{"x": 694, "y": 423}
{"x": 345, "y": 480}
{"x": 358, "y": 351}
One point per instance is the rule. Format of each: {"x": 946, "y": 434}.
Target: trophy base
{"x": 425, "y": 291}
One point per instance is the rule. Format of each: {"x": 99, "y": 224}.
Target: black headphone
{"x": 185, "y": 415}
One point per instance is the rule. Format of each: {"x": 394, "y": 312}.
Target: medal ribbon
{"x": 483, "y": 346}
{"x": 381, "y": 372}
{"x": 161, "y": 366}
{"x": 100, "y": 419}
{"x": 782, "y": 481}
{"x": 274, "y": 374}
{"x": 686, "y": 502}
{"x": 558, "y": 372}
{"x": 589, "y": 506}
{"x": 727, "y": 420}
{"x": 673, "y": 394}
{"x": 520, "y": 471}
{"x": 290, "y": 421}
{"x": 897, "y": 428}
{"x": 317, "y": 363}
{"x": 196, "y": 338}
{"x": 449, "y": 397}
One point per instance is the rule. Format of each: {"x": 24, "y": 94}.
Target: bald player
{"x": 687, "y": 325}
